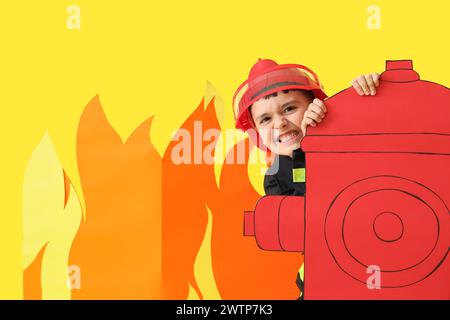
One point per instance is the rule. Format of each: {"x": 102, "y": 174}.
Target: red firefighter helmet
{"x": 266, "y": 77}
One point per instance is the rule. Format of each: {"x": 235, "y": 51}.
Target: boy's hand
{"x": 313, "y": 115}
{"x": 366, "y": 84}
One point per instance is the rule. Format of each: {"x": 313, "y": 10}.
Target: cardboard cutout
{"x": 375, "y": 222}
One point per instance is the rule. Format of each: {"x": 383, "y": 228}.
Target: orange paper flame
{"x": 187, "y": 189}
{"x": 118, "y": 246}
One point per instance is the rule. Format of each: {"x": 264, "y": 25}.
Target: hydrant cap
{"x": 399, "y": 110}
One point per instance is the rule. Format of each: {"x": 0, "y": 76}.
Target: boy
{"x": 275, "y": 105}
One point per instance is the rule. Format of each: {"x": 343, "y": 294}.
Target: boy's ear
{"x": 251, "y": 117}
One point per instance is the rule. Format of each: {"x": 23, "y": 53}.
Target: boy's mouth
{"x": 288, "y": 136}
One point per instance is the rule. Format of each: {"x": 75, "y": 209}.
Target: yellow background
{"x": 155, "y": 57}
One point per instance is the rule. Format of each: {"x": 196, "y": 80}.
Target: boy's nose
{"x": 280, "y": 122}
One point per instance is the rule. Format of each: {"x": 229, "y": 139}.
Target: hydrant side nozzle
{"x": 249, "y": 223}
{"x": 291, "y": 224}
{"x": 277, "y": 223}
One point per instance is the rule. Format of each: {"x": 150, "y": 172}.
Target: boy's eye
{"x": 264, "y": 120}
{"x": 289, "y": 108}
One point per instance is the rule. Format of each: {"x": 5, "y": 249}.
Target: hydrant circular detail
{"x": 388, "y": 226}
{"x": 360, "y": 211}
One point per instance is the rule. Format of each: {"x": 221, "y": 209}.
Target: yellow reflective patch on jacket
{"x": 298, "y": 174}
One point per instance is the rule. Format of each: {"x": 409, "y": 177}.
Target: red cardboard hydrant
{"x": 375, "y": 221}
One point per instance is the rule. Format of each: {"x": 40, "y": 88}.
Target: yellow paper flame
{"x": 203, "y": 270}
{"x": 49, "y": 218}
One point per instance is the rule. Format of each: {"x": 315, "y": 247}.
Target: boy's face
{"x": 278, "y": 119}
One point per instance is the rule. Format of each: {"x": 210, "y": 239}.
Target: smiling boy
{"x": 275, "y": 105}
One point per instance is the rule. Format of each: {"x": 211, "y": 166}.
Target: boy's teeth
{"x": 287, "y": 137}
